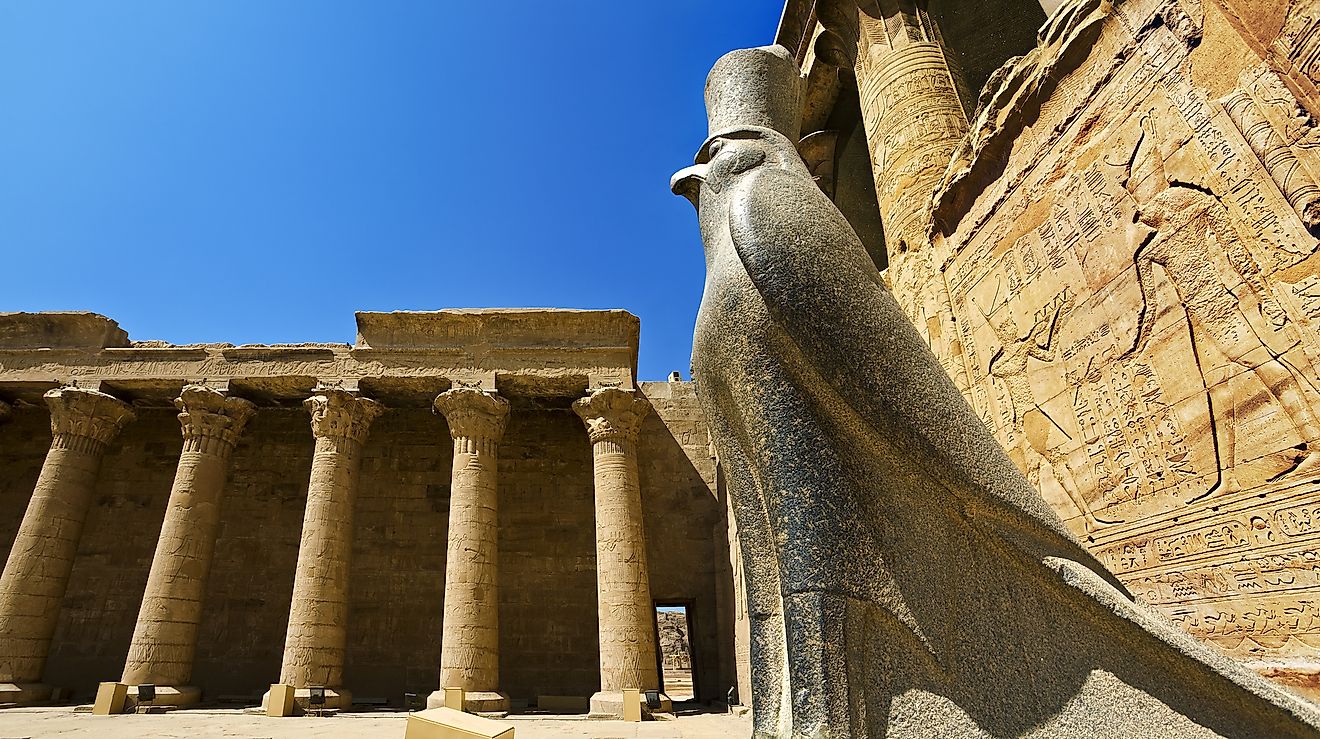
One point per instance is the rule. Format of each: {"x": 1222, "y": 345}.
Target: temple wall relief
{"x": 1128, "y": 239}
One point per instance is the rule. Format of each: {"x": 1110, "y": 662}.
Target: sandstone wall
{"x": 1128, "y": 242}
{"x": 689, "y": 552}
{"x": 1119, "y": 269}
{"x": 547, "y": 544}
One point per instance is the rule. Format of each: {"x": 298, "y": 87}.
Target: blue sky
{"x": 255, "y": 171}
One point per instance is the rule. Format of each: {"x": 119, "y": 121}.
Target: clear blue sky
{"x": 255, "y": 171}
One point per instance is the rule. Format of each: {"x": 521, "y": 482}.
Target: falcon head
{"x": 729, "y": 156}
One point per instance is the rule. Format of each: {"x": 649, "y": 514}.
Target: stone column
{"x": 82, "y": 422}
{"x": 165, "y": 638}
{"x": 318, "y": 616}
{"x": 624, "y": 608}
{"x": 470, "y": 644}
{"x": 912, "y": 111}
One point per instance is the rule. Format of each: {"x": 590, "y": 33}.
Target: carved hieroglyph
{"x": 1128, "y": 240}
{"x": 82, "y": 423}
{"x": 316, "y": 640}
{"x": 470, "y": 646}
{"x": 627, "y": 634}
{"x": 165, "y": 637}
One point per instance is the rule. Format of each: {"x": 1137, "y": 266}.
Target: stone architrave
{"x": 470, "y": 645}
{"x": 83, "y": 423}
{"x": 625, "y": 610}
{"x": 318, "y": 616}
{"x": 165, "y": 637}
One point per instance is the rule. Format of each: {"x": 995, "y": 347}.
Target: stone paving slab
{"x": 35, "y": 723}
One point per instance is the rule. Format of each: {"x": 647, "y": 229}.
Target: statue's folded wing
{"x": 826, "y": 295}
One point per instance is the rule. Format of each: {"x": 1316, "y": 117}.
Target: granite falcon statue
{"x": 903, "y": 577}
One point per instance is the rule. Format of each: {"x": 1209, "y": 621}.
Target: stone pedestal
{"x": 470, "y": 644}
{"x": 165, "y": 638}
{"x": 318, "y": 616}
{"x": 625, "y": 610}
{"x": 82, "y": 422}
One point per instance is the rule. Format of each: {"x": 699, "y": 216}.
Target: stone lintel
{"x": 498, "y": 327}
{"x": 403, "y": 359}
{"x": 60, "y": 330}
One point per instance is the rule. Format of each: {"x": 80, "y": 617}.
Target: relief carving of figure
{"x": 1196, "y": 245}
{"x": 1032, "y": 425}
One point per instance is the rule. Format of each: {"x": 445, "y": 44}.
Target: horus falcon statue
{"x": 903, "y": 579}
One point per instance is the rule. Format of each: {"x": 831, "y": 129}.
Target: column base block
{"x": 24, "y": 694}
{"x": 339, "y": 699}
{"x": 477, "y": 701}
{"x": 608, "y": 704}
{"x": 166, "y": 695}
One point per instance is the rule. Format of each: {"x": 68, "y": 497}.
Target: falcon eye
{"x": 714, "y": 148}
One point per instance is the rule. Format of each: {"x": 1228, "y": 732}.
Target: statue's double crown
{"x": 755, "y": 87}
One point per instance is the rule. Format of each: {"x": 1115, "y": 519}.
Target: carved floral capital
{"x": 473, "y": 413}
{"x": 86, "y": 414}
{"x": 341, "y": 414}
{"x": 612, "y": 414}
{"x": 207, "y": 414}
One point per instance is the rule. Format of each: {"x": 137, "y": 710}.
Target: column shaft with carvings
{"x": 623, "y": 590}
{"x": 318, "y": 616}
{"x": 914, "y": 119}
{"x": 470, "y": 654}
{"x": 83, "y": 423}
{"x": 165, "y": 637}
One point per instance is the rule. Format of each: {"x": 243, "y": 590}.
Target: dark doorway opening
{"x": 673, "y": 623}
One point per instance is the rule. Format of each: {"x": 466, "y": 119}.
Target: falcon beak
{"x": 687, "y": 182}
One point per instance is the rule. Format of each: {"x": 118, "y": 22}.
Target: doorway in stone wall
{"x": 673, "y": 623}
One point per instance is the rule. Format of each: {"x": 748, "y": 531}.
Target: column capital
{"x": 612, "y": 414}
{"x": 342, "y": 414}
{"x": 86, "y": 414}
{"x": 473, "y": 413}
{"x": 208, "y": 415}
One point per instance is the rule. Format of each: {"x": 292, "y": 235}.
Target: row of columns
{"x": 161, "y": 653}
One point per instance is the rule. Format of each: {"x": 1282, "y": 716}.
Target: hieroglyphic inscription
{"x": 1166, "y": 407}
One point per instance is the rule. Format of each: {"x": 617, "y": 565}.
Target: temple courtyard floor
{"x": 31, "y": 723}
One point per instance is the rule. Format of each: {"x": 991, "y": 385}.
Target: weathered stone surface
{"x": 1128, "y": 240}
{"x": 400, "y": 358}
{"x": 470, "y": 653}
{"x": 549, "y": 642}
{"x": 165, "y": 636}
{"x": 317, "y": 638}
{"x": 905, "y": 579}
{"x": 625, "y": 611}
{"x": 675, "y": 651}
{"x": 36, "y": 573}
{"x": 60, "y": 330}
